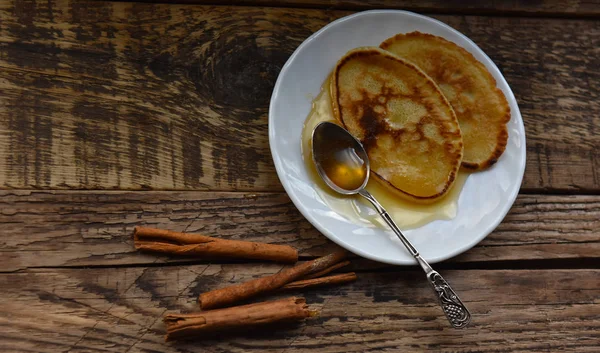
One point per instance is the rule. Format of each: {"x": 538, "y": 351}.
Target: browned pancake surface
{"x": 481, "y": 108}
{"x": 405, "y": 123}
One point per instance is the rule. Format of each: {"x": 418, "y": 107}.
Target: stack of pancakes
{"x": 422, "y": 107}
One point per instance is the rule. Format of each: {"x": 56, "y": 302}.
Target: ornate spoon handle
{"x": 453, "y": 307}
{"x": 455, "y": 310}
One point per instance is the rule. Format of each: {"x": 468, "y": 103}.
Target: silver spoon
{"x": 343, "y": 164}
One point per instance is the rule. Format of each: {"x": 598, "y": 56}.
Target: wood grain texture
{"x": 99, "y": 95}
{"x": 74, "y": 228}
{"x": 119, "y": 310}
{"x": 571, "y": 8}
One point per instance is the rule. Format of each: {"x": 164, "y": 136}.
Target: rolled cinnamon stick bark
{"x": 226, "y": 296}
{"x": 165, "y": 241}
{"x": 327, "y": 270}
{"x": 189, "y": 325}
{"x": 321, "y": 281}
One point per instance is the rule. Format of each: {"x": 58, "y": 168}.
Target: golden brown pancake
{"x": 403, "y": 120}
{"x": 481, "y": 108}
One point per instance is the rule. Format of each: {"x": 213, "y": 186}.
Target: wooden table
{"x": 117, "y": 114}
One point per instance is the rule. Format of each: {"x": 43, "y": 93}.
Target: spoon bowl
{"x": 340, "y": 159}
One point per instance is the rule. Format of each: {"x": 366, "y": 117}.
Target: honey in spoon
{"x": 337, "y": 158}
{"x": 346, "y": 169}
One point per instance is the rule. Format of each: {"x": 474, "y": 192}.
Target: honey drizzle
{"x": 407, "y": 214}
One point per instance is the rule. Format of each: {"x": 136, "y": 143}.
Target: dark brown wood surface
{"x": 119, "y": 310}
{"x": 570, "y": 8}
{"x": 116, "y": 114}
{"x": 74, "y": 228}
{"x": 136, "y": 96}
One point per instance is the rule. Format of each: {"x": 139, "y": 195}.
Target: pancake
{"x": 481, "y": 108}
{"x": 403, "y": 120}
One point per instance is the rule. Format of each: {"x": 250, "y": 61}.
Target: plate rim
{"x": 299, "y": 205}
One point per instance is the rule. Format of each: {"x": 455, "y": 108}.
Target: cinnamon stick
{"x": 165, "y": 241}
{"x": 328, "y": 270}
{"x": 229, "y": 295}
{"x": 321, "y": 281}
{"x": 251, "y": 315}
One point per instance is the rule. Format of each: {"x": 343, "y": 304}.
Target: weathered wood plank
{"x": 75, "y": 228}
{"x": 100, "y": 95}
{"x": 116, "y": 310}
{"x": 503, "y": 7}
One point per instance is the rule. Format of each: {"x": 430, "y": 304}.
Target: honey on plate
{"x": 407, "y": 214}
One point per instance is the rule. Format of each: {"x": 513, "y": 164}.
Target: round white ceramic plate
{"x": 486, "y": 197}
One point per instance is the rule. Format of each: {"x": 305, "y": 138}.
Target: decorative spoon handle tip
{"x": 456, "y": 312}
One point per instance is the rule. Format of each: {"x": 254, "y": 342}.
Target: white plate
{"x": 486, "y": 197}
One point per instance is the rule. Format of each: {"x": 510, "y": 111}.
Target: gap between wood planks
{"x": 522, "y": 191}
{"x": 533, "y": 11}
{"x": 361, "y": 265}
